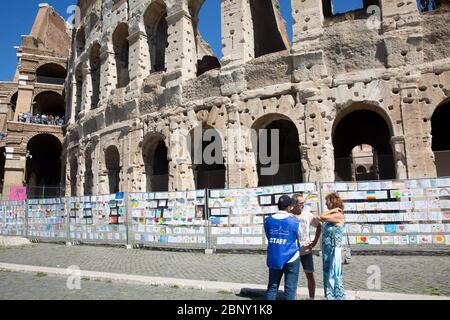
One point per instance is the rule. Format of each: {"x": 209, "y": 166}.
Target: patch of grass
{"x": 108, "y": 281}
{"x": 41, "y": 274}
{"x": 97, "y": 280}
{"x": 175, "y": 286}
{"x": 435, "y": 291}
{"x": 85, "y": 279}
{"x": 154, "y": 285}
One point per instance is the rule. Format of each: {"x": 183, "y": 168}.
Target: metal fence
{"x": 386, "y": 212}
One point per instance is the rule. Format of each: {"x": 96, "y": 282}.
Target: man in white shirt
{"x": 307, "y": 219}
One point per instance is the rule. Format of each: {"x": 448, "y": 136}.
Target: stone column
{"x": 181, "y": 54}
{"x": 108, "y": 74}
{"x": 308, "y": 22}
{"x": 237, "y": 32}
{"x": 398, "y": 14}
{"x": 139, "y": 66}
{"x": 240, "y": 159}
{"x": 86, "y": 104}
{"x": 420, "y": 157}
{"x": 24, "y": 100}
{"x": 73, "y": 101}
{"x": 15, "y": 166}
{"x": 308, "y": 62}
{"x": 399, "y": 149}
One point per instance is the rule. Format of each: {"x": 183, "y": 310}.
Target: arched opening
{"x": 156, "y": 28}
{"x": 94, "y": 61}
{"x": 441, "y": 138}
{"x": 73, "y": 176}
{"x": 154, "y": 152}
{"x": 121, "y": 53}
{"x": 88, "y": 174}
{"x": 2, "y": 168}
{"x": 268, "y": 27}
{"x": 432, "y": 5}
{"x": 208, "y": 164}
{"x": 43, "y": 166}
{"x": 49, "y": 103}
{"x": 51, "y": 73}
{"x": 360, "y": 128}
{"x": 112, "y": 160}
{"x": 277, "y": 151}
{"x": 12, "y": 106}
{"x": 79, "y": 90}
{"x": 207, "y": 35}
{"x": 80, "y": 41}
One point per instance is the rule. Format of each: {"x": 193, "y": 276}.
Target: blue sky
{"x": 16, "y": 19}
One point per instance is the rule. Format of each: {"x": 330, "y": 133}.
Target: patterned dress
{"x": 332, "y": 243}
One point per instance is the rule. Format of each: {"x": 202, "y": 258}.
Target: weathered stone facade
{"x": 37, "y": 88}
{"x": 119, "y": 113}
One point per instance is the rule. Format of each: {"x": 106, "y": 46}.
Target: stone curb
{"x": 247, "y": 289}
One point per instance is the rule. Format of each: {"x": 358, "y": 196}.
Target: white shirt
{"x": 307, "y": 219}
{"x": 280, "y": 215}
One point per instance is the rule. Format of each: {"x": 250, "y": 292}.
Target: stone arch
{"x": 156, "y": 28}
{"x": 113, "y": 168}
{"x": 351, "y": 106}
{"x": 206, "y": 59}
{"x": 440, "y": 132}
{"x": 80, "y": 41}
{"x": 278, "y": 162}
{"x": 121, "y": 53}
{"x": 269, "y": 30}
{"x": 43, "y": 165}
{"x": 156, "y": 163}
{"x": 362, "y": 125}
{"x": 49, "y": 103}
{"x": 95, "y": 64}
{"x": 51, "y": 73}
{"x": 205, "y": 145}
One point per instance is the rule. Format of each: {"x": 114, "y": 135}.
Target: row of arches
{"x": 362, "y": 152}
{"x": 48, "y": 103}
{"x": 362, "y": 141}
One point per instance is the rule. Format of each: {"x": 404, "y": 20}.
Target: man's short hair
{"x": 296, "y": 196}
{"x": 285, "y": 202}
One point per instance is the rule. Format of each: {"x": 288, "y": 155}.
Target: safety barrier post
{"x": 127, "y": 215}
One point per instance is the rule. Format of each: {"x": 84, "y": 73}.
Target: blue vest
{"x": 283, "y": 241}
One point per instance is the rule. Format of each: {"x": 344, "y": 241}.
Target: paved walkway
{"x": 42, "y": 286}
{"x": 427, "y": 275}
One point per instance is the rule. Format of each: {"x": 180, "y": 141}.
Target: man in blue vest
{"x": 283, "y": 256}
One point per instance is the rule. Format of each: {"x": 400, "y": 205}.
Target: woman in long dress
{"x": 332, "y": 244}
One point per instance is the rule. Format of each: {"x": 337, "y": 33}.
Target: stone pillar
{"x": 86, "y": 104}
{"x": 399, "y": 149}
{"x": 308, "y": 22}
{"x": 15, "y": 166}
{"x": 108, "y": 74}
{"x": 24, "y": 100}
{"x": 238, "y": 153}
{"x": 237, "y": 32}
{"x": 73, "y": 100}
{"x": 4, "y": 108}
{"x": 308, "y": 62}
{"x": 181, "y": 54}
{"x": 420, "y": 157}
{"x": 139, "y": 66}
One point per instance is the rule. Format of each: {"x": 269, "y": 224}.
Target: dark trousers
{"x": 291, "y": 274}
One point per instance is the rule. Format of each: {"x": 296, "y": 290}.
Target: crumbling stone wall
{"x": 399, "y": 69}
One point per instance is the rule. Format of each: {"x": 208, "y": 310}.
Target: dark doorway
{"x": 362, "y": 127}
{"x": 441, "y": 139}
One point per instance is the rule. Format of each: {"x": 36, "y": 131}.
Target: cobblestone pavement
{"x": 26, "y": 286}
{"x": 427, "y": 275}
